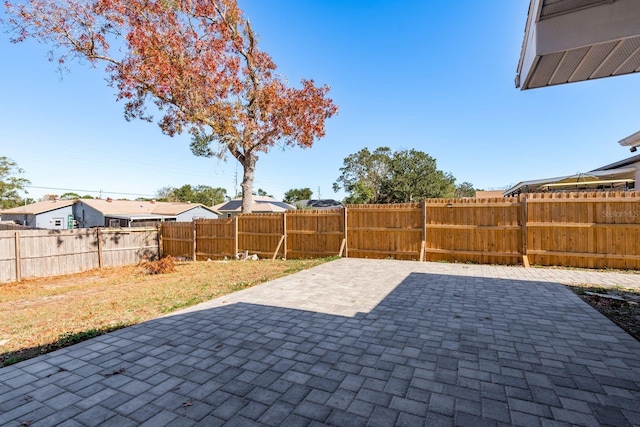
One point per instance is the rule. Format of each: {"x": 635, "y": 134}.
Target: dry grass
{"x": 42, "y": 315}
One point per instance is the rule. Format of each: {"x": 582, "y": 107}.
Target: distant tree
{"x": 48, "y": 197}
{"x": 69, "y": 196}
{"x": 87, "y": 196}
{"x": 363, "y": 174}
{"x": 203, "y": 194}
{"x": 297, "y": 194}
{"x": 393, "y": 177}
{"x": 465, "y": 190}
{"x": 414, "y": 176}
{"x": 262, "y": 193}
{"x": 360, "y": 193}
{"x": 10, "y": 183}
{"x": 197, "y": 61}
{"x": 164, "y": 194}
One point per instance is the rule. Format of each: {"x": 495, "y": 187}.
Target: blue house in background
{"x": 86, "y": 213}
{"x": 134, "y": 213}
{"x": 51, "y": 214}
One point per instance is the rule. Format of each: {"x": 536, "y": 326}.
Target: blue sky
{"x": 425, "y": 75}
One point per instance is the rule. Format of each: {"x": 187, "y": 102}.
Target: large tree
{"x": 204, "y": 194}
{"x": 296, "y": 194}
{"x": 198, "y": 61}
{"x": 393, "y": 177}
{"x": 465, "y": 190}
{"x": 10, "y": 183}
{"x": 363, "y": 174}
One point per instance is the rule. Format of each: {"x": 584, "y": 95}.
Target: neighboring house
{"x": 130, "y": 213}
{"x": 569, "y": 41}
{"x": 261, "y": 204}
{"x": 51, "y": 214}
{"x": 319, "y": 204}
{"x": 618, "y": 176}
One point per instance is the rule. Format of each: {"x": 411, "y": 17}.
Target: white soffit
{"x": 569, "y": 41}
{"x": 631, "y": 140}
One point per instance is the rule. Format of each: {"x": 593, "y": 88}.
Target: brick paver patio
{"x": 352, "y": 342}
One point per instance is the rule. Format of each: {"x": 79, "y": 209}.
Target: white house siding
{"x": 197, "y": 212}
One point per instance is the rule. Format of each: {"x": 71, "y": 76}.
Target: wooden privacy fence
{"x": 40, "y": 253}
{"x": 595, "y": 230}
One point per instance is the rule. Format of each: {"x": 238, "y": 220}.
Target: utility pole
{"x": 319, "y": 193}
{"x": 235, "y": 186}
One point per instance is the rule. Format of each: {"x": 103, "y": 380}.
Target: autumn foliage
{"x": 197, "y": 60}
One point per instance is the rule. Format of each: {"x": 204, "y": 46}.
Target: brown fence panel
{"x": 593, "y": 230}
{"x": 177, "y": 239}
{"x": 215, "y": 238}
{"x": 314, "y": 233}
{"x": 261, "y": 234}
{"x": 384, "y": 231}
{"x": 487, "y": 231}
{"x": 123, "y": 246}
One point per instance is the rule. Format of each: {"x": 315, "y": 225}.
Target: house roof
{"x": 620, "y": 163}
{"x": 261, "y": 204}
{"x": 128, "y": 208}
{"x": 319, "y": 204}
{"x": 38, "y": 207}
{"x": 632, "y": 141}
{"x": 590, "y": 179}
{"x": 569, "y": 41}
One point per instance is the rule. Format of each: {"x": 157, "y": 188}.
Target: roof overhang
{"x": 578, "y": 181}
{"x": 632, "y": 141}
{"x": 140, "y": 217}
{"x": 568, "y": 41}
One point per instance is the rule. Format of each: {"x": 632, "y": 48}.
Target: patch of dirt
{"x": 621, "y": 306}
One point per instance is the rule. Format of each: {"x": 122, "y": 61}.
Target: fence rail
{"x": 40, "y": 253}
{"x": 595, "y": 230}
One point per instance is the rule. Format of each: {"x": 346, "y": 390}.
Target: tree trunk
{"x": 249, "y": 167}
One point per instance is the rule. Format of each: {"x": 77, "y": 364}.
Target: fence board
{"x": 385, "y": 231}
{"x": 487, "y": 231}
{"x": 56, "y": 252}
{"x": 177, "y": 239}
{"x": 596, "y": 230}
{"x": 260, "y": 234}
{"x": 314, "y": 233}
{"x": 215, "y": 238}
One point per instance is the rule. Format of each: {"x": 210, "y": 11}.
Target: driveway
{"x": 352, "y": 342}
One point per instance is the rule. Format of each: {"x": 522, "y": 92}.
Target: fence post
{"x": 346, "y": 242}
{"x": 99, "y": 237}
{"x": 160, "y": 248}
{"x": 235, "y": 236}
{"x": 194, "y": 239}
{"x": 525, "y": 258}
{"x": 18, "y": 261}
{"x": 284, "y": 233}
{"x": 423, "y": 245}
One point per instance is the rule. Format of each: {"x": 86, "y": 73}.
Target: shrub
{"x": 161, "y": 266}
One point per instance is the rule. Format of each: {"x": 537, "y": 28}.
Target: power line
{"x": 88, "y": 191}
